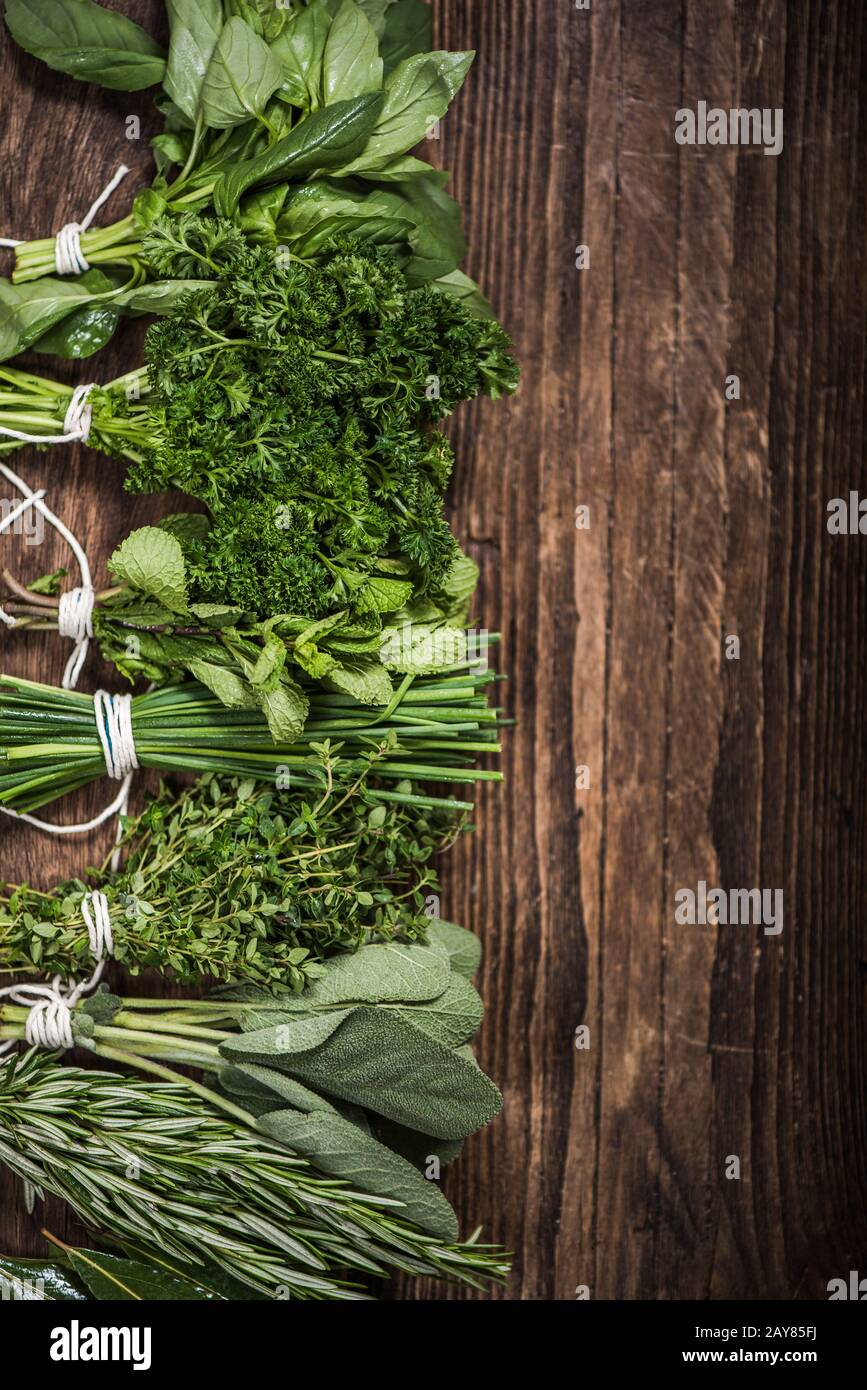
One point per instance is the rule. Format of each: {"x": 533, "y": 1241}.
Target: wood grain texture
{"x": 707, "y": 520}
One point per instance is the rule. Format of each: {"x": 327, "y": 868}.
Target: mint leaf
{"x": 151, "y": 561}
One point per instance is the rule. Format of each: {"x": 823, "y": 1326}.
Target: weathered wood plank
{"x": 707, "y": 520}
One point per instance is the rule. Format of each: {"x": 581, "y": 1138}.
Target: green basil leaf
{"x": 417, "y": 93}
{"x": 438, "y": 242}
{"x": 299, "y": 49}
{"x": 195, "y": 27}
{"x": 172, "y": 147}
{"x": 86, "y": 41}
{"x": 408, "y": 29}
{"x": 81, "y": 334}
{"x": 321, "y": 140}
{"x": 461, "y": 287}
{"x": 257, "y": 215}
{"x": 351, "y": 64}
{"x": 29, "y": 311}
{"x": 147, "y": 206}
{"x": 381, "y": 231}
{"x": 242, "y": 75}
{"x": 376, "y": 11}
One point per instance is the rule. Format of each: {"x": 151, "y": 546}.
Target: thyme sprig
{"x": 232, "y": 879}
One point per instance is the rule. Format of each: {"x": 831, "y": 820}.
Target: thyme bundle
{"x": 232, "y": 880}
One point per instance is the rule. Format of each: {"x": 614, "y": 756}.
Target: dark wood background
{"x": 707, "y": 519}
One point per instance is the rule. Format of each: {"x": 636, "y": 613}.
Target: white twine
{"x": 69, "y": 259}
{"x": 76, "y": 422}
{"x": 49, "y": 1021}
{"x": 75, "y": 621}
{"x": 114, "y": 727}
{"x": 81, "y": 607}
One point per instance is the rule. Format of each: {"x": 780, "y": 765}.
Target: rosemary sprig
{"x": 159, "y": 1165}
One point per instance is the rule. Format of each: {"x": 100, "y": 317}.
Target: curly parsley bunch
{"x": 296, "y": 398}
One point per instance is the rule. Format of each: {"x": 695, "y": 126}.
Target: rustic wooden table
{"x": 707, "y": 521}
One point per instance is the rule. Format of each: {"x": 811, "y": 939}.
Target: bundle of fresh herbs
{"x": 233, "y": 880}
{"x": 294, "y": 120}
{"x": 313, "y": 330}
{"x": 433, "y": 730}
{"x": 192, "y": 1179}
{"x": 149, "y": 625}
{"x": 296, "y": 400}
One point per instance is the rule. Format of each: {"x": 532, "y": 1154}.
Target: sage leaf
{"x": 88, "y": 42}
{"x": 241, "y": 77}
{"x": 324, "y": 139}
{"x": 464, "y": 947}
{"x": 340, "y": 1148}
{"x": 351, "y": 64}
{"x": 380, "y": 974}
{"x": 377, "y": 1059}
{"x": 451, "y": 1019}
{"x": 151, "y": 562}
{"x": 195, "y": 27}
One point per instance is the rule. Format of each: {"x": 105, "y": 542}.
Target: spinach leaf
{"x": 242, "y": 75}
{"x": 408, "y": 30}
{"x": 195, "y": 27}
{"x": 81, "y": 334}
{"x": 351, "y": 64}
{"x": 320, "y": 141}
{"x": 85, "y": 41}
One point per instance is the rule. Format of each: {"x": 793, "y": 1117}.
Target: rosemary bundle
{"x": 231, "y": 879}
{"x": 190, "y": 1178}
{"x": 433, "y": 730}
